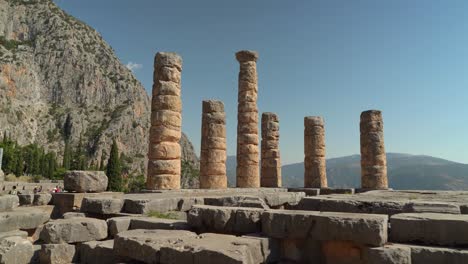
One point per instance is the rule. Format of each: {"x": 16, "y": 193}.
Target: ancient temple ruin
{"x": 213, "y": 146}
{"x": 373, "y": 156}
{"x": 164, "y": 164}
{"x": 247, "y": 170}
{"x": 270, "y": 173}
{"x": 315, "y": 171}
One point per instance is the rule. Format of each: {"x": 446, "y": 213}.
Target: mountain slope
{"x": 52, "y": 65}
{"x": 404, "y": 171}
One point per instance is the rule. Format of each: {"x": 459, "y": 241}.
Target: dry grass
{"x": 13, "y": 178}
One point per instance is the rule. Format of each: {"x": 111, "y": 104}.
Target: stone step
{"x": 177, "y": 246}
{"x": 73, "y": 230}
{"x": 437, "y": 255}
{"x": 430, "y": 229}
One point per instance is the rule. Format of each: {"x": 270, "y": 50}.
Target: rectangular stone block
{"x": 307, "y": 191}
{"x": 101, "y": 205}
{"x": 438, "y": 255}
{"x": 227, "y": 220}
{"x": 364, "y": 229}
{"x": 430, "y": 229}
{"x": 388, "y": 254}
{"x": 22, "y": 218}
{"x": 158, "y": 223}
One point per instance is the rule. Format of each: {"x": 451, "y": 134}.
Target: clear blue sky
{"x": 329, "y": 58}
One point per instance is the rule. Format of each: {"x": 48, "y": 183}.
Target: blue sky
{"x": 325, "y": 57}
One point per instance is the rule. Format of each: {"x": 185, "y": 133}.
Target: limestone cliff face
{"x": 51, "y": 65}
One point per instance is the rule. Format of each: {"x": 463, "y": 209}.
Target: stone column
{"x": 164, "y": 165}
{"x": 270, "y": 173}
{"x": 213, "y": 146}
{"x": 315, "y": 173}
{"x": 373, "y": 157}
{"x": 247, "y": 122}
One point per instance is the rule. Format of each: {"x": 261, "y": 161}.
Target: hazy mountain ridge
{"x": 52, "y": 65}
{"x": 405, "y": 171}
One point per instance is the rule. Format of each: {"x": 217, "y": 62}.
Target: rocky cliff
{"x": 52, "y": 65}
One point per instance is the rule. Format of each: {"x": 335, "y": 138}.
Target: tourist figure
{"x": 14, "y": 191}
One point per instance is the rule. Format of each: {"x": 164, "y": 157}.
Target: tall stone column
{"x": 247, "y": 122}
{"x": 164, "y": 165}
{"x": 315, "y": 173}
{"x": 270, "y": 173}
{"x": 373, "y": 157}
{"x": 213, "y": 146}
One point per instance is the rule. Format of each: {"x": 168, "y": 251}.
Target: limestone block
{"x": 73, "y": 215}
{"x": 15, "y": 250}
{"x": 14, "y": 233}
{"x": 437, "y": 255}
{"x": 85, "y": 181}
{"x": 430, "y": 228}
{"x": 101, "y": 205}
{"x": 228, "y": 220}
{"x": 307, "y": 191}
{"x": 359, "y": 228}
{"x": 116, "y": 225}
{"x": 283, "y": 198}
{"x": 22, "y": 218}
{"x": 176, "y": 246}
{"x": 58, "y": 254}
{"x": 100, "y": 252}
{"x": 74, "y": 230}
{"x": 42, "y": 198}
{"x": 158, "y": 223}
{"x": 237, "y": 201}
{"x": 8, "y": 202}
{"x": 388, "y": 254}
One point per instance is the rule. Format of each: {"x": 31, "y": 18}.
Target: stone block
{"x": 388, "y": 254}
{"x": 279, "y": 199}
{"x": 327, "y": 191}
{"x": 329, "y": 204}
{"x": 363, "y": 229}
{"x": 228, "y": 220}
{"x": 345, "y": 252}
{"x": 8, "y": 202}
{"x": 74, "y": 230}
{"x": 73, "y": 215}
{"x": 26, "y": 199}
{"x": 307, "y": 191}
{"x": 430, "y": 229}
{"x": 58, "y": 254}
{"x": 85, "y": 181}
{"x": 100, "y": 252}
{"x": 116, "y": 225}
{"x": 42, "y": 198}
{"x": 68, "y": 202}
{"x": 22, "y": 218}
{"x": 158, "y": 223}
{"x": 101, "y": 205}
{"x": 237, "y": 201}
{"x": 177, "y": 246}
{"x": 142, "y": 205}
{"x": 438, "y": 255}
{"x": 14, "y": 233}
{"x": 15, "y": 250}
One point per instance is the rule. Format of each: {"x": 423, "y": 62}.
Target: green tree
{"x": 19, "y": 168}
{"x": 67, "y": 156}
{"x": 67, "y": 127}
{"x": 79, "y": 157}
{"x": 114, "y": 169}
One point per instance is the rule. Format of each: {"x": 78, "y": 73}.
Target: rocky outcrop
{"x": 52, "y": 65}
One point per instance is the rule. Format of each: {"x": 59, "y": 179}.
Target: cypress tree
{"x": 114, "y": 169}
{"x": 19, "y": 168}
{"x": 67, "y": 155}
{"x": 67, "y": 127}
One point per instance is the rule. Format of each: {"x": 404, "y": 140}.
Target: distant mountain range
{"x": 405, "y": 171}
